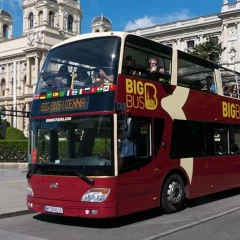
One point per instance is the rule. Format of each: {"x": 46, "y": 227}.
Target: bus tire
{"x": 173, "y": 194}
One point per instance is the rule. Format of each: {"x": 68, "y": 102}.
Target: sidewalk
{"x": 13, "y": 189}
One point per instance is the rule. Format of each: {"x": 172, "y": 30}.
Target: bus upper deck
{"x": 91, "y": 63}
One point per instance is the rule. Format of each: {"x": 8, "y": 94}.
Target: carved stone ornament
{"x": 232, "y": 30}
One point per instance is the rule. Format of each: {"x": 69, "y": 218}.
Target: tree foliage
{"x": 14, "y": 134}
{"x": 209, "y": 50}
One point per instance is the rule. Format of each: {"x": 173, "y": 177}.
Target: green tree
{"x": 210, "y": 50}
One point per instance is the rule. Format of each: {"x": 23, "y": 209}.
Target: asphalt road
{"x": 11, "y": 175}
{"x": 212, "y": 217}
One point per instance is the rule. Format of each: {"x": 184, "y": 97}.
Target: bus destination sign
{"x": 74, "y": 104}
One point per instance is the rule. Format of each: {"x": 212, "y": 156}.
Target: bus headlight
{"x": 96, "y": 195}
{"x": 30, "y": 191}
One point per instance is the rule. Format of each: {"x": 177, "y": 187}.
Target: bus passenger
{"x": 197, "y": 85}
{"x": 106, "y": 79}
{"x": 225, "y": 90}
{"x": 98, "y": 82}
{"x": 157, "y": 72}
{"x": 153, "y": 67}
{"x": 127, "y": 64}
{"x": 210, "y": 86}
{"x": 62, "y": 80}
{"x": 82, "y": 79}
{"x": 234, "y": 92}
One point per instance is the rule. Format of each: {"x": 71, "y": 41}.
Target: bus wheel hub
{"x": 174, "y": 193}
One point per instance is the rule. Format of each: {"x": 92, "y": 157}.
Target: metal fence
{"x": 11, "y": 154}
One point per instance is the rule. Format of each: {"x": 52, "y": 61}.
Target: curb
{"x": 15, "y": 214}
{"x": 13, "y": 165}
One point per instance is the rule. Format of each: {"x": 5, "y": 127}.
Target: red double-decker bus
{"x": 121, "y": 124}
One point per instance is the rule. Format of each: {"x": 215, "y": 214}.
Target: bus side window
{"x": 137, "y": 148}
{"x": 195, "y": 73}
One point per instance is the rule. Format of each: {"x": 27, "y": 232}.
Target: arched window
{"x": 51, "y": 19}
{"x": 40, "y": 18}
{"x": 30, "y": 20}
{"x": 97, "y": 30}
{"x": 5, "y": 31}
{"x": 70, "y": 23}
{"x": 2, "y": 87}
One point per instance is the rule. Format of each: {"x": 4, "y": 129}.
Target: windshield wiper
{"x": 80, "y": 175}
{"x": 85, "y": 178}
{"x": 32, "y": 170}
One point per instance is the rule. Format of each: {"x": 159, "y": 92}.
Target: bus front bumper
{"x": 73, "y": 209}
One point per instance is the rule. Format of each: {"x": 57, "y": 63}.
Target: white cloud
{"x": 12, "y": 4}
{"x": 154, "y": 20}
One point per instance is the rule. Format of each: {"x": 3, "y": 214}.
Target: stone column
{"x": 28, "y": 76}
{"x": 36, "y": 71}
{"x": 20, "y": 119}
{"x": 238, "y": 42}
{"x": 61, "y": 19}
{"x": 10, "y": 31}
{"x": 18, "y": 78}
{"x": 179, "y": 43}
{"x": 7, "y": 86}
{"x": 26, "y": 120}
{"x": 183, "y": 45}
{"x": 1, "y": 29}
{"x": 45, "y": 16}
{"x": 225, "y": 43}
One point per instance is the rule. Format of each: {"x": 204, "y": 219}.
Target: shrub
{"x": 14, "y": 134}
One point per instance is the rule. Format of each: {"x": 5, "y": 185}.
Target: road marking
{"x": 155, "y": 237}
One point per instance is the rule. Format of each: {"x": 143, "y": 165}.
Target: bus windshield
{"x": 86, "y": 63}
{"x": 80, "y": 143}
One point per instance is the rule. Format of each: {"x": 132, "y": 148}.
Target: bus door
{"x": 135, "y": 180}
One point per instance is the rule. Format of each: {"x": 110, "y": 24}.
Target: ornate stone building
{"x": 101, "y": 24}
{"x": 45, "y": 23}
{"x": 187, "y": 33}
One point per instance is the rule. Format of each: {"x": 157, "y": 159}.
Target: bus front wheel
{"x": 173, "y": 195}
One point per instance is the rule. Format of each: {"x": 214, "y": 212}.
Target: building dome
{"x": 55, "y": 1}
{"x": 5, "y": 13}
{"x": 101, "y": 18}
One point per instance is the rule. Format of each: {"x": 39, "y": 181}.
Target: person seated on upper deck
{"x": 156, "y": 72}
{"x": 234, "y": 91}
{"x": 82, "y": 79}
{"x": 62, "y": 80}
{"x": 209, "y": 86}
{"x": 197, "y": 85}
{"x": 225, "y": 90}
{"x": 127, "y": 64}
{"x": 104, "y": 78}
{"x": 98, "y": 82}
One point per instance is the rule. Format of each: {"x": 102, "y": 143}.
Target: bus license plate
{"x": 53, "y": 209}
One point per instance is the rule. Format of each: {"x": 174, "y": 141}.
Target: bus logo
{"x": 141, "y": 95}
{"x": 54, "y": 185}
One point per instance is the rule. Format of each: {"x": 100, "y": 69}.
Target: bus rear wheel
{"x": 173, "y": 195}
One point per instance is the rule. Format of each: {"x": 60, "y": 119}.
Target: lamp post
{"x": 14, "y": 94}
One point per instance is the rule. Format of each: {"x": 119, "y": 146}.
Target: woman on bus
{"x": 82, "y": 79}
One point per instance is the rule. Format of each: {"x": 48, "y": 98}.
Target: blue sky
{"x": 129, "y": 14}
